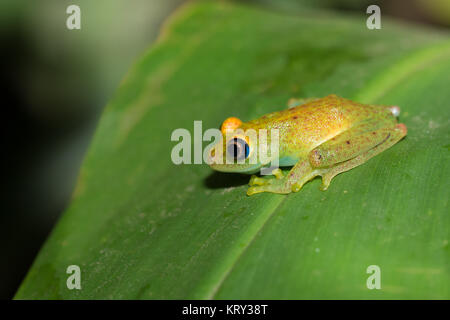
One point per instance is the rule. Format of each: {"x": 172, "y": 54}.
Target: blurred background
{"x": 56, "y": 82}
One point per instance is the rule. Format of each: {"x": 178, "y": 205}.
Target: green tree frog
{"x": 317, "y": 137}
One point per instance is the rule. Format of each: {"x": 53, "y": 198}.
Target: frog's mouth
{"x": 238, "y": 168}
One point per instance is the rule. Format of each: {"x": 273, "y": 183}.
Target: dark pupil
{"x": 235, "y": 150}
{"x": 238, "y": 149}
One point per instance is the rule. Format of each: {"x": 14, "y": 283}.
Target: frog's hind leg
{"x": 394, "y": 135}
{"x": 395, "y": 110}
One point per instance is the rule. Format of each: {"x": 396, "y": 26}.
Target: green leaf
{"x": 141, "y": 227}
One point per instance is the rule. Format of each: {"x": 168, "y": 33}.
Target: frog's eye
{"x": 238, "y": 149}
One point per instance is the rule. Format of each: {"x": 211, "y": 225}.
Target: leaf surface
{"x": 141, "y": 227}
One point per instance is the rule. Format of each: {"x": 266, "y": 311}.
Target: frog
{"x": 317, "y": 137}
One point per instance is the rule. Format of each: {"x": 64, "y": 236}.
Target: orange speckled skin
{"x": 323, "y": 137}
{"x": 307, "y": 126}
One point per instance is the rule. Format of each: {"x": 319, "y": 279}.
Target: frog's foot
{"x": 259, "y": 181}
{"x": 268, "y": 183}
{"x": 283, "y": 184}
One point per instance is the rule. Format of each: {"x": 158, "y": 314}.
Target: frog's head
{"x": 238, "y": 150}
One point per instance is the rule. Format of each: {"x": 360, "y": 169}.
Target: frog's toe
{"x": 278, "y": 173}
{"x": 261, "y": 181}
{"x": 259, "y": 189}
{"x": 296, "y": 187}
{"x": 256, "y": 181}
{"x": 326, "y": 180}
{"x": 254, "y": 190}
{"x": 273, "y": 186}
{"x": 324, "y": 187}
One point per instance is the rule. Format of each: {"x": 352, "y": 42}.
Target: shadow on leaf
{"x": 218, "y": 180}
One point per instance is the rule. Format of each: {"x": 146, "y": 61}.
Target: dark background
{"x": 56, "y": 81}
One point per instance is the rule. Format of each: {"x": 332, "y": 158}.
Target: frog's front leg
{"x": 293, "y": 181}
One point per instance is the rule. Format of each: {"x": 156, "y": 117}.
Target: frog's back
{"x": 307, "y": 126}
